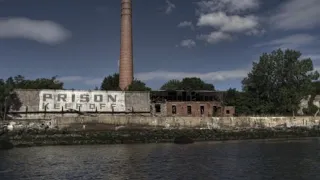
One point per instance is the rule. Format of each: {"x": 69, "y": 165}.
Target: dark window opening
{"x": 202, "y": 109}
{"x": 174, "y": 109}
{"x": 228, "y": 111}
{"x": 189, "y": 110}
{"x": 184, "y": 96}
{"x": 158, "y": 108}
{"x": 215, "y": 110}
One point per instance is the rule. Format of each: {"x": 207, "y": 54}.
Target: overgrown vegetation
{"x": 9, "y": 99}
{"x": 188, "y": 83}
{"x": 275, "y": 86}
{"x": 111, "y": 83}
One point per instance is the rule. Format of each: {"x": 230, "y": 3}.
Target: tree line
{"x": 274, "y": 86}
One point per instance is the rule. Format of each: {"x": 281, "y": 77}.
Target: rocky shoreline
{"x": 29, "y": 138}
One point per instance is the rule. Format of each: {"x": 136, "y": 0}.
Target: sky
{"x": 215, "y": 40}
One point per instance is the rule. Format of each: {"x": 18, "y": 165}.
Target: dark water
{"x": 210, "y": 160}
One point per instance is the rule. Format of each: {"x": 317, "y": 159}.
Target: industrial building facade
{"x": 158, "y": 103}
{"x": 190, "y": 103}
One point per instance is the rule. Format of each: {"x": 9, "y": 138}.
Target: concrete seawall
{"x": 112, "y": 121}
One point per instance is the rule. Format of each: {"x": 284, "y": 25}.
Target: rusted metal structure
{"x": 126, "y": 49}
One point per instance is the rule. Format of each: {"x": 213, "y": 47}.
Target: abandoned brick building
{"x": 190, "y": 103}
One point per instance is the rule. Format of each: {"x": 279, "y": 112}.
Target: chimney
{"x": 126, "y": 57}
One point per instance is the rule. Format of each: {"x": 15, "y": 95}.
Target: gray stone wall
{"x": 137, "y": 101}
{"x": 169, "y": 122}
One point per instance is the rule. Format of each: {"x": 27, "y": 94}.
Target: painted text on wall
{"x": 87, "y": 101}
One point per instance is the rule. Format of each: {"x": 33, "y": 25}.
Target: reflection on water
{"x": 228, "y": 160}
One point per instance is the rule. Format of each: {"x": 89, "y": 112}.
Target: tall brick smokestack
{"x": 126, "y": 57}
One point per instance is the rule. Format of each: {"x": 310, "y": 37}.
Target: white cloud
{"x": 292, "y": 41}
{"x": 226, "y": 23}
{"x": 227, "y": 19}
{"x": 215, "y": 37}
{"x": 186, "y": 24}
{"x": 255, "y": 32}
{"x": 43, "y": 31}
{"x": 85, "y": 80}
{"x": 166, "y": 75}
{"x": 210, "y": 76}
{"x": 297, "y": 14}
{"x": 170, "y": 7}
{"x": 189, "y": 43}
{"x": 229, "y": 6}
{"x": 312, "y": 56}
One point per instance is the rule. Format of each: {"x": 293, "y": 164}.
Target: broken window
{"x": 174, "y": 109}
{"x": 158, "y": 108}
{"x": 215, "y": 110}
{"x": 189, "y": 110}
{"x": 202, "y": 109}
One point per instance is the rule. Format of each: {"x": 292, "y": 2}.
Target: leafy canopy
{"x": 278, "y": 82}
{"x": 188, "y": 83}
{"x": 111, "y": 83}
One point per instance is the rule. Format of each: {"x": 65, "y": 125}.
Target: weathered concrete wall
{"x": 155, "y": 108}
{"x": 167, "y": 122}
{"x": 30, "y": 99}
{"x": 193, "y": 122}
{"x": 137, "y": 101}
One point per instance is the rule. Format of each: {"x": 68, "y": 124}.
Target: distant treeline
{"x": 275, "y": 86}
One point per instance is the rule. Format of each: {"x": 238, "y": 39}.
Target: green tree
{"x": 240, "y": 100}
{"x": 111, "y": 83}
{"x": 10, "y": 100}
{"x": 312, "y": 109}
{"x": 173, "y": 84}
{"x": 188, "y": 83}
{"x": 19, "y": 82}
{"x": 138, "y": 85}
{"x": 231, "y": 97}
{"x": 278, "y": 82}
{"x": 316, "y": 87}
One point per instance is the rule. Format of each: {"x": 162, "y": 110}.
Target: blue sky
{"x": 216, "y": 40}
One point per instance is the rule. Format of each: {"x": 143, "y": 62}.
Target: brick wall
{"x": 194, "y": 109}
{"x": 229, "y": 110}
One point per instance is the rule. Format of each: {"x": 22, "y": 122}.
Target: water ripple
{"x": 229, "y": 160}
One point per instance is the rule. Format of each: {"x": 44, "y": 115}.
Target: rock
{"x": 5, "y": 144}
{"x": 183, "y": 140}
